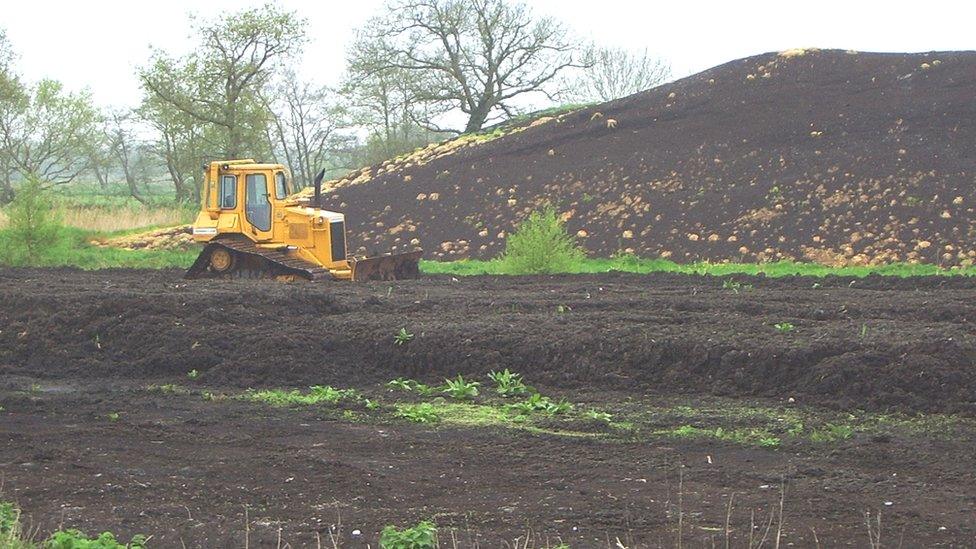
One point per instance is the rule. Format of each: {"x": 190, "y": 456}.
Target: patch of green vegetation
{"x": 166, "y": 389}
{"x": 417, "y": 413}
{"x": 421, "y": 536}
{"x": 113, "y": 416}
{"x": 472, "y": 267}
{"x": 751, "y": 437}
{"x": 9, "y": 517}
{"x": 402, "y": 337}
{"x": 410, "y": 386}
{"x": 464, "y": 414}
{"x": 460, "y": 389}
{"x": 538, "y": 403}
{"x": 76, "y": 539}
{"x": 734, "y": 286}
{"x": 832, "y": 433}
{"x": 784, "y": 327}
{"x": 317, "y": 394}
{"x": 598, "y": 415}
{"x": 508, "y": 384}
{"x": 13, "y": 536}
{"x": 35, "y": 236}
{"x": 933, "y": 426}
{"x": 73, "y": 249}
{"x": 192, "y": 374}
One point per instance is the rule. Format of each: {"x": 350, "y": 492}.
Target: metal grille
{"x": 337, "y": 232}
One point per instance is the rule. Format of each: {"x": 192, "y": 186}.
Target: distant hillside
{"x": 832, "y": 156}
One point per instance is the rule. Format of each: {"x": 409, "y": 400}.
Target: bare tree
{"x": 386, "y": 103}
{"x": 306, "y": 131}
{"x": 612, "y": 73}
{"x": 124, "y": 148}
{"x": 476, "y": 56}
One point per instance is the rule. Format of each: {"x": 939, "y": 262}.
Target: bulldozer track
{"x": 279, "y": 262}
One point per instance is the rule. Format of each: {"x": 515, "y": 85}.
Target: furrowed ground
{"x": 807, "y": 403}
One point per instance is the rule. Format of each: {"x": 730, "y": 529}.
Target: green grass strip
{"x": 471, "y": 267}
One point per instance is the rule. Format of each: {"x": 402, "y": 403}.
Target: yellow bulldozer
{"x": 255, "y": 226}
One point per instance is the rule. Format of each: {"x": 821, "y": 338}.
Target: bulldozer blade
{"x": 387, "y": 267}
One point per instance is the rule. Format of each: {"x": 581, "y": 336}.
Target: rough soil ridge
{"x": 878, "y": 343}
{"x": 828, "y": 156}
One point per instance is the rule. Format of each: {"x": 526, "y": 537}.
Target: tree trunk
{"x": 477, "y": 120}
{"x": 6, "y": 187}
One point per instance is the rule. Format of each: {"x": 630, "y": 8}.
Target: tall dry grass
{"x": 113, "y": 218}
{"x": 107, "y": 219}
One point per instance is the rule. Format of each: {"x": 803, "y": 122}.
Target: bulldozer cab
{"x": 242, "y": 196}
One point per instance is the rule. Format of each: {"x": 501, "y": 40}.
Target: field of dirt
{"x": 837, "y": 157}
{"x": 93, "y": 438}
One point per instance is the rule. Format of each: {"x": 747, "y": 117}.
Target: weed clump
{"x": 421, "y": 536}
{"x": 460, "y": 389}
{"x": 508, "y": 384}
{"x": 417, "y": 413}
{"x": 410, "y": 386}
{"x": 541, "y": 245}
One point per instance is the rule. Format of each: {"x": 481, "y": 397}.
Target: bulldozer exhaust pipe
{"x": 318, "y": 189}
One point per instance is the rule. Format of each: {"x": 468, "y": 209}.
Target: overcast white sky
{"x": 99, "y": 44}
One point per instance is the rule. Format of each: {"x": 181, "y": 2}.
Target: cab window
{"x": 281, "y": 186}
{"x": 228, "y": 192}
{"x": 257, "y": 207}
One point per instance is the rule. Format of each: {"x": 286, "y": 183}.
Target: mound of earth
{"x": 829, "y": 156}
{"x": 169, "y": 238}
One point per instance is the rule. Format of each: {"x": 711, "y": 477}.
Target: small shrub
{"x": 417, "y": 413}
{"x": 832, "y": 433}
{"x": 735, "y": 287}
{"x": 410, "y": 386}
{"x": 9, "y": 518}
{"x": 597, "y": 415}
{"x": 168, "y": 388}
{"x": 421, "y": 536}
{"x": 508, "y": 384}
{"x": 539, "y": 403}
{"x": 193, "y": 374}
{"x": 541, "y": 245}
{"x": 113, "y": 416}
{"x": 33, "y": 227}
{"x": 784, "y": 327}
{"x": 402, "y": 337}
{"x": 459, "y": 389}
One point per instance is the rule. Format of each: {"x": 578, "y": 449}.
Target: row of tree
{"x": 425, "y": 70}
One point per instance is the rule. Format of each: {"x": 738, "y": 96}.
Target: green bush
{"x": 541, "y": 245}
{"x": 421, "y": 536}
{"x": 33, "y": 228}
{"x": 9, "y": 517}
{"x": 75, "y": 539}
